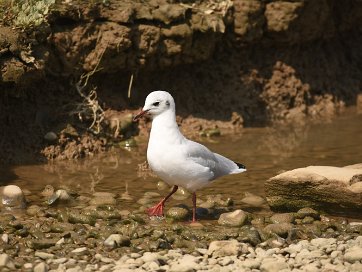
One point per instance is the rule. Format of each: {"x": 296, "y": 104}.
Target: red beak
{"x": 139, "y": 115}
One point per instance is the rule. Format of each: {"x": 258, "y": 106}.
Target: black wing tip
{"x": 241, "y": 166}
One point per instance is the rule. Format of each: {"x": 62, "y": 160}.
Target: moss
{"x": 25, "y": 13}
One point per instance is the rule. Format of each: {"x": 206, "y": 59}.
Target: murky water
{"x": 265, "y": 152}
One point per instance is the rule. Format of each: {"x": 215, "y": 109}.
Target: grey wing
{"x": 218, "y": 164}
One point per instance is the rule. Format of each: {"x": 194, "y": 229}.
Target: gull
{"x": 175, "y": 159}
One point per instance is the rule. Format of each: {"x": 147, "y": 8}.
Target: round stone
{"x": 233, "y": 219}
{"x": 13, "y": 197}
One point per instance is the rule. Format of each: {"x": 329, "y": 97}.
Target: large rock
{"x": 331, "y": 189}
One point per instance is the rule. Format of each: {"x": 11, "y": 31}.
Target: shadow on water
{"x": 265, "y": 151}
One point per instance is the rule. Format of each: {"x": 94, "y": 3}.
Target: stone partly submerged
{"x": 330, "y": 189}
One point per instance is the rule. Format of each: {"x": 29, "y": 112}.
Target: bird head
{"x": 156, "y": 103}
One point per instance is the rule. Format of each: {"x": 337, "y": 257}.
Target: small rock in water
{"x": 48, "y": 191}
{"x": 97, "y": 201}
{"x": 60, "y": 195}
{"x": 104, "y": 194}
{"x": 13, "y": 197}
{"x": 161, "y": 185}
{"x": 178, "y": 213}
{"x": 307, "y": 212}
{"x": 282, "y": 218}
{"x": 253, "y": 200}
{"x": 181, "y": 194}
{"x": 233, "y": 219}
{"x": 33, "y": 210}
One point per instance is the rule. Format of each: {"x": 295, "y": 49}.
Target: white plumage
{"x": 175, "y": 159}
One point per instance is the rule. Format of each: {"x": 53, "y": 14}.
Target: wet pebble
{"x": 161, "y": 185}
{"x": 302, "y": 213}
{"x": 104, "y": 194}
{"x": 100, "y": 200}
{"x": 178, "y": 213}
{"x": 181, "y": 194}
{"x": 282, "y": 218}
{"x": 13, "y": 197}
{"x": 236, "y": 218}
{"x": 253, "y": 200}
{"x": 33, "y": 210}
{"x": 60, "y": 195}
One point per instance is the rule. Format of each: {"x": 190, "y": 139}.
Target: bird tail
{"x": 241, "y": 168}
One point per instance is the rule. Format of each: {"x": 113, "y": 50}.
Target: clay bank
{"x": 75, "y": 68}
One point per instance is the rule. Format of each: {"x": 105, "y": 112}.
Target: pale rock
{"x": 44, "y": 255}
{"x": 5, "y": 238}
{"x": 116, "y": 240}
{"x": 13, "y": 197}
{"x": 224, "y": 248}
{"x": 233, "y": 219}
{"x": 6, "y": 261}
{"x": 40, "y": 267}
{"x": 80, "y": 251}
{"x": 353, "y": 254}
{"x": 251, "y": 263}
{"x": 273, "y": 265}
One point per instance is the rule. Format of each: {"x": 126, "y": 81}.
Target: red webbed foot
{"x": 156, "y": 210}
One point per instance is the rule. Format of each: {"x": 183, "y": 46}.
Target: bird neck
{"x": 164, "y": 126}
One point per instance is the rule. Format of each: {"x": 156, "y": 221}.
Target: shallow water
{"x": 265, "y": 152}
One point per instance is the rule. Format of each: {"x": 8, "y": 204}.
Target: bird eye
{"x": 156, "y": 104}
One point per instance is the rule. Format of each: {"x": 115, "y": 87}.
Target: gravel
{"x": 320, "y": 254}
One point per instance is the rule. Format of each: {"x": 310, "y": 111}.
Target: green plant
{"x": 25, "y": 13}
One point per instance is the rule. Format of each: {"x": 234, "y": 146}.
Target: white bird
{"x": 175, "y": 159}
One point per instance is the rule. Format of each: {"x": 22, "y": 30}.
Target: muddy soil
{"x": 229, "y": 64}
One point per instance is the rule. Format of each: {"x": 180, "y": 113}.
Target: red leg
{"x": 194, "y": 207}
{"x": 157, "y": 210}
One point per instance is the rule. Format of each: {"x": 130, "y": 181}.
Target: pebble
{"x": 6, "y": 261}
{"x": 100, "y": 200}
{"x": 40, "y": 267}
{"x": 80, "y": 251}
{"x": 117, "y": 240}
{"x": 13, "y": 197}
{"x": 353, "y": 254}
{"x": 224, "y": 248}
{"x": 44, "y": 255}
{"x": 282, "y": 218}
{"x": 236, "y": 218}
{"x": 5, "y": 238}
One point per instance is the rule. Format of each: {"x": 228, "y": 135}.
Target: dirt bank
{"x": 241, "y": 63}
